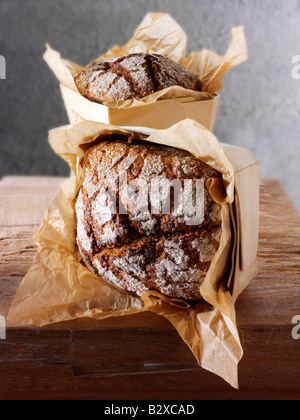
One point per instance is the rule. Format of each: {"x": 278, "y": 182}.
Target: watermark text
{"x": 184, "y": 199}
{"x": 296, "y": 329}
{"x": 2, "y": 328}
{"x": 2, "y": 68}
{"x": 296, "y": 68}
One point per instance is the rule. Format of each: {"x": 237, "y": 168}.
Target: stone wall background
{"x": 260, "y": 103}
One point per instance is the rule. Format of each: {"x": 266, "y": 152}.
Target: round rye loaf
{"x": 145, "y": 219}
{"x": 133, "y": 77}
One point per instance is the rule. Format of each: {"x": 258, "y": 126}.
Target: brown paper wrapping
{"x": 58, "y": 287}
{"x": 158, "y": 33}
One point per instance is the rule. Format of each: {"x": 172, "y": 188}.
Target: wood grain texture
{"x": 142, "y": 356}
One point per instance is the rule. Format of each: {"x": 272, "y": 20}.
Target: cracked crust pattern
{"x": 133, "y": 77}
{"x": 139, "y": 250}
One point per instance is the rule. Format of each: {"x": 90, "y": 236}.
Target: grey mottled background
{"x": 260, "y": 103}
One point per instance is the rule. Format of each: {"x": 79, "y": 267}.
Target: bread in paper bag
{"x": 158, "y": 34}
{"x": 59, "y": 286}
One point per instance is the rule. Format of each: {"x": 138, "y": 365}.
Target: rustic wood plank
{"x": 24, "y": 201}
{"x": 142, "y": 356}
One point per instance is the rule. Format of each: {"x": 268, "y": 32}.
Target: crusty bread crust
{"x": 138, "y": 250}
{"x": 133, "y": 77}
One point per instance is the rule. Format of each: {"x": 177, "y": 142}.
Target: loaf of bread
{"x": 133, "y": 77}
{"x": 128, "y": 245}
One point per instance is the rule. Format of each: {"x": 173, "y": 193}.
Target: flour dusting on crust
{"x": 136, "y": 249}
{"x": 133, "y": 77}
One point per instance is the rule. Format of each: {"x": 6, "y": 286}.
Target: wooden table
{"x": 142, "y": 356}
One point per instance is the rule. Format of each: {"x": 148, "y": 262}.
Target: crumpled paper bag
{"x": 58, "y": 286}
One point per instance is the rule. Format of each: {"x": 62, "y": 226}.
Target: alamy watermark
{"x": 2, "y": 328}
{"x": 296, "y": 329}
{"x": 296, "y": 68}
{"x": 2, "y": 68}
{"x": 183, "y": 199}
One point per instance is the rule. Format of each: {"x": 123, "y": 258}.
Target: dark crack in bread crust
{"x": 139, "y": 250}
{"x": 133, "y": 77}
